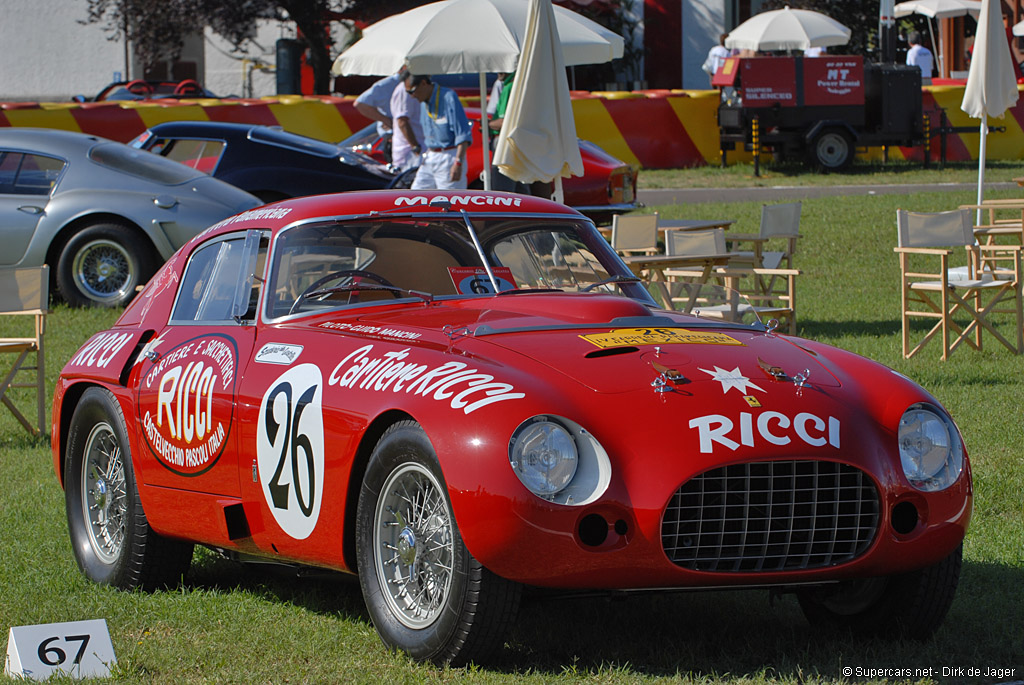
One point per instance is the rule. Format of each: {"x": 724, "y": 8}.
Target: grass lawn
{"x": 235, "y": 624}
{"x": 796, "y": 174}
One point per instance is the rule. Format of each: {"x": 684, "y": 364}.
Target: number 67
{"x": 55, "y": 656}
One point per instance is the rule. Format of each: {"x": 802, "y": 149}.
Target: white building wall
{"x": 248, "y": 74}
{"x": 47, "y": 55}
{"x": 703, "y": 22}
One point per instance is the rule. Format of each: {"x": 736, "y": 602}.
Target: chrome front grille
{"x": 771, "y": 516}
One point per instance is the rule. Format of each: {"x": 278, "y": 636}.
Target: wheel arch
{"x": 72, "y": 397}
{"x": 370, "y": 438}
{"x": 69, "y": 229}
{"x": 820, "y": 126}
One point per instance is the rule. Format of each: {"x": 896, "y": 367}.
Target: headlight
{"x": 543, "y": 455}
{"x": 930, "y": 448}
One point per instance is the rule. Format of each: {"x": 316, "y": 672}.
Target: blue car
{"x": 267, "y": 161}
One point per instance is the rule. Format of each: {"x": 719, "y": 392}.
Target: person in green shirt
{"x": 500, "y": 181}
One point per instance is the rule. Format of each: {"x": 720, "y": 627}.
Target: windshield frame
{"x": 586, "y": 232}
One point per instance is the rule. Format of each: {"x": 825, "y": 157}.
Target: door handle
{"x": 30, "y": 209}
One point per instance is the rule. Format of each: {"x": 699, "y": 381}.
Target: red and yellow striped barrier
{"x": 656, "y": 129}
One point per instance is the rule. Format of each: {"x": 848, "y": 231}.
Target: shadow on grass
{"x": 793, "y": 167}
{"x": 315, "y": 590}
{"x": 711, "y": 635}
{"x": 827, "y": 330}
{"x": 743, "y": 635}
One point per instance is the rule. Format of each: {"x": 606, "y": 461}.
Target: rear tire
{"x": 911, "y": 605}
{"x": 110, "y": 537}
{"x": 102, "y": 264}
{"x": 426, "y": 594}
{"x": 832, "y": 150}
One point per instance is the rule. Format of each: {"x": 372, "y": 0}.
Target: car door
{"x": 187, "y": 388}
{"x": 26, "y": 181}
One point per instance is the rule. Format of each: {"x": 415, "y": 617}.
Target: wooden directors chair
{"x": 25, "y": 292}
{"x": 972, "y": 296}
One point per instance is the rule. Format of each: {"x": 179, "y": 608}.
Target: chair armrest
{"x": 760, "y": 271}
{"x": 922, "y": 250}
{"x": 997, "y": 248}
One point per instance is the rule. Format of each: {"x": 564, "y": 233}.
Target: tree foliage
{"x": 157, "y": 29}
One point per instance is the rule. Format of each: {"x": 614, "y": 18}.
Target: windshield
{"x": 340, "y": 264}
{"x": 141, "y": 164}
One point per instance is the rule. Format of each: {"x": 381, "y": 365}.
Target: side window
{"x": 28, "y": 174}
{"x": 201, "y": 155}
{"x": 218, "y": 275}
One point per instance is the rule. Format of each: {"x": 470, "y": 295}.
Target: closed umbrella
{"x": 469, "y": 36}
{"x": 538, "y": 137}
{"x": 991, "y": 84}
{"x": 939, "y": 9}
{"x": 788, "y": 29}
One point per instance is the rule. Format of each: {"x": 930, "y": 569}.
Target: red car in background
{"x": 607, "y": 187}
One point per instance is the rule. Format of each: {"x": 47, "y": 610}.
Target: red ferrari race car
{"x": 460, "y": 396}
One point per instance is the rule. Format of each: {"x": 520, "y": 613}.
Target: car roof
{"x": 257, "y": 133}
{"x": 50, "y": 140}
{"x": 390, "y": 203}
{"x": 202, "y": 127}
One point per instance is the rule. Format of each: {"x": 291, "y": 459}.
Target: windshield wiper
{"x": 352, "y": 287}
{"x": 617, "y": 280}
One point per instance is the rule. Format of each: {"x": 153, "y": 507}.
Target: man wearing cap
{"x": 446, "y": 135}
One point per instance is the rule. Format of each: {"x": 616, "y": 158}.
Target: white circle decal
{"x": 290, "y": 449}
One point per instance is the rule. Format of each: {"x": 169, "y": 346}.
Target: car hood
{"x": 613, "y": 344}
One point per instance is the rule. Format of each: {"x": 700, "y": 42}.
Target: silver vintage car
{"x": 104, "y": 216}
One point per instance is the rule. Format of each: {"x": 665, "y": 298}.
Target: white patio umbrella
{"x": 939, "y": 9}
{"x": 991, "y": 84}
{"x": 788, "y": 29}
{"x": 467, "y": 36}
{"x": 538, "y": 137}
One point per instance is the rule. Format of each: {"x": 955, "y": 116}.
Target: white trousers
{"x": 436, "y": 170}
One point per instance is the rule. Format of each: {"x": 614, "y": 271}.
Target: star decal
{"x": 732, "y": 379}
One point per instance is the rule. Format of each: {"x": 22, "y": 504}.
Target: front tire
{"x": 111, "y": 539}
{"x": 426, "y": 594}
{"x": 911, "y": 605}
{"x": 102, "y": 264}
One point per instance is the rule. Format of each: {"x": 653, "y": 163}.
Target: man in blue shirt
{"x": 375, "y": 102}
{"x": 446, "y": 135}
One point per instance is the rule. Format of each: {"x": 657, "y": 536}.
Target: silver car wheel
{"x": 412, "y": 543}
{"x": 104, "y": 270}
{"x": 105, "y": 497}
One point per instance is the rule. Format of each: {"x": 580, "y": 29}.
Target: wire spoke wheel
{"x": 105, "y": 497}
{"x": 413, "y": 553}
{"x": 103, "y": 268}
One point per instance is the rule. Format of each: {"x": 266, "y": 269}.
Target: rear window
{"x": 142, "y": 164}
{"x": 201, "y": 155}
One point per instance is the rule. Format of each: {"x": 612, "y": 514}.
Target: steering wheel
{"x": 139, "y": 87}
{"x": 188, "y": 87}
{"x": 336, "y": 275}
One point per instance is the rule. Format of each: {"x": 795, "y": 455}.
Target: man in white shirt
{"x": 716, "y": 56}
{"x": 919, "y": 56}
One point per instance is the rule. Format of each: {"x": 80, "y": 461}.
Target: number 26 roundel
{"x": 290, "y": 449}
